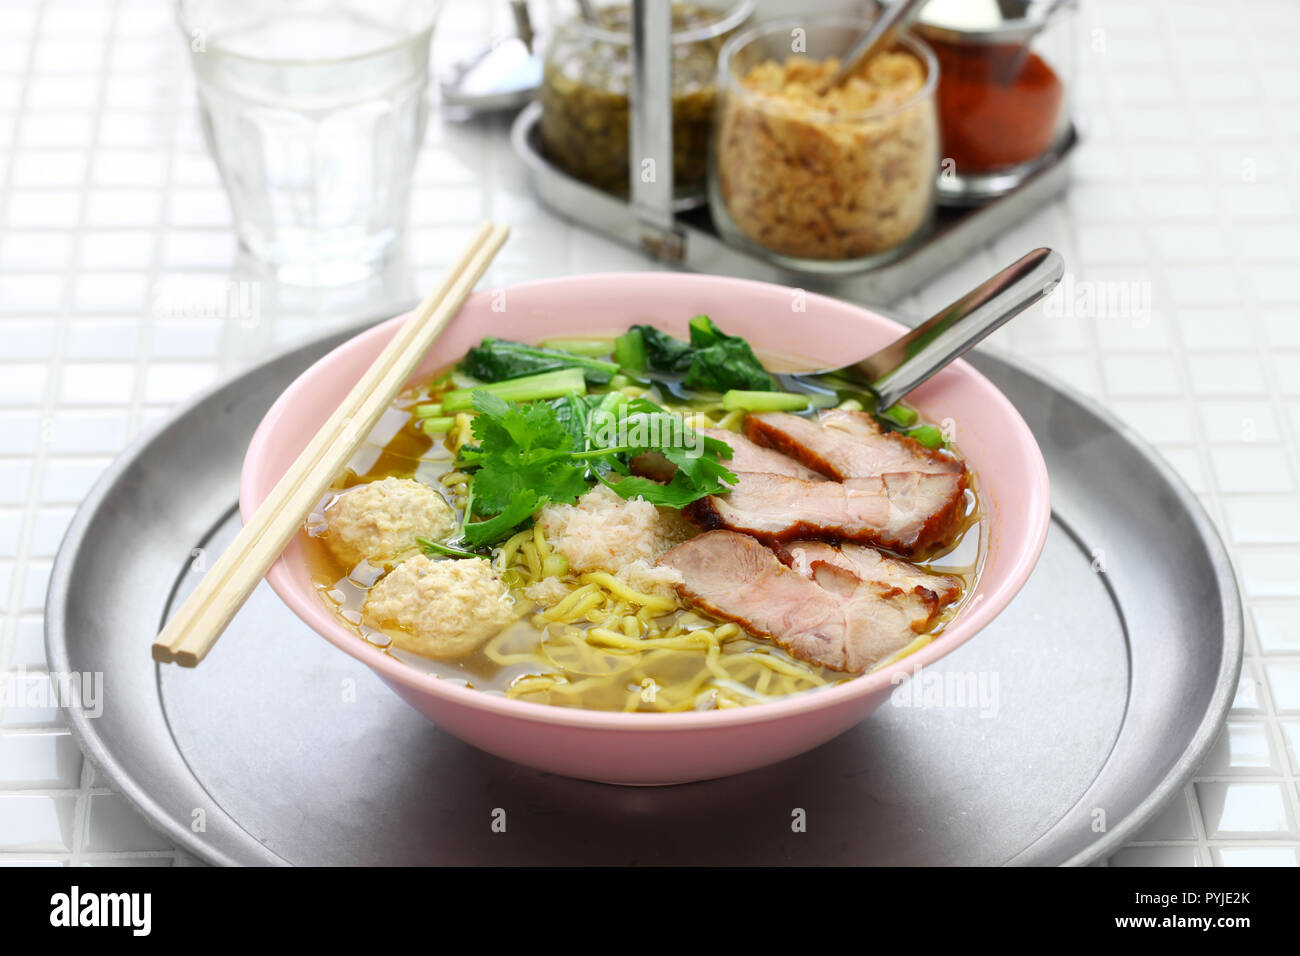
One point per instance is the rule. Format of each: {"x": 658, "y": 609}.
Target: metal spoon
{"x": 910, "y": 360}
{"x": 1044, "y": 13}
{"x": 878, "y": 38}
{"x": 504, "y": 76}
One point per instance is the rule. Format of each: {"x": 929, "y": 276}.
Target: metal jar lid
{"x": 988, "y": 22}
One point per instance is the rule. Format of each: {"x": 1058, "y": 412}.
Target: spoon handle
{"x": 878, "y": 38}
{"x": 907, "y": 362}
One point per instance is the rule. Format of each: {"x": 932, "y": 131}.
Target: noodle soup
{"x": 595, "y": 620}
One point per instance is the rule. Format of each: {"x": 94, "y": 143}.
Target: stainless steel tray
{"x": 955, "y": 232}
{"x": 1114, "y": 669}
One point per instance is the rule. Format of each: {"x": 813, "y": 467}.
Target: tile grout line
{"x": 81, "y": 806}
{"x": 8, "y": 636}
{"x": 1249, "y": 307}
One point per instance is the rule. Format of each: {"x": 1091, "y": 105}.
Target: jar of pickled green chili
{"x": 584, "y": 93}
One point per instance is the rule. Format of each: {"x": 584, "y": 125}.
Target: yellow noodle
{"x": 911, "y": 648}
{"x": 562, "y": 608}
{"x": 603, "y": 638}
{"x": 509, "y": 549}
{"x": 789, "y": 668}
{"x": 497, "y": 656}
{"x": 539, "y": 539}
{"x": 611, "y": 583}
{"x": 725, "y": 632}
{"x": 530, "y": 556}
{"x": 732, "y": 419}
{"x": 577, "y": 611}
{"x": 460, "y": 431}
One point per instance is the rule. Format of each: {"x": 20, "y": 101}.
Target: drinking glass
{"x": 314, "y": 112}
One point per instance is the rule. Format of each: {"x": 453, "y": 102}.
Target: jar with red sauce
{"x": 1005, "y": 76}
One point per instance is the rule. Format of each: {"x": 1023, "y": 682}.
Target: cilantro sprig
{"x": 525, "y": 456}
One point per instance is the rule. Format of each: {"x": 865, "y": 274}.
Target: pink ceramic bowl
{"x": 670, "y": 748}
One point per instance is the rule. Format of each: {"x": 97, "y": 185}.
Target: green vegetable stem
{"x": 526, "y": 389}
{"x": 498, "y": 360}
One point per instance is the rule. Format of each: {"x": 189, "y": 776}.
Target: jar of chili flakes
{"x": 1005, "y": 71}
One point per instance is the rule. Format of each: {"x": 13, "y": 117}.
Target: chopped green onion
{"x": 900, "y": 415}
{"x": 437, "y": 426}
{"x": 927, "y": 435}
{"x": 527, "y": 389}
{"x": 592, "y": 348}
{"x": 630, "y": 351}
{"x": 428, "y": 411}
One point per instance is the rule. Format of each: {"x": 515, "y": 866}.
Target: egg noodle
{"x": 590, "y": 639}
{"x": 603, "y": 636}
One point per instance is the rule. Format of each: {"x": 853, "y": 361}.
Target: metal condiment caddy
{"x": 683, "y": 234}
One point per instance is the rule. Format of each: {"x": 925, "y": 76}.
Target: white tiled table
{"x": 1188, "y": 184}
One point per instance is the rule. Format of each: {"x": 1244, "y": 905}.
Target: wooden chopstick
{"x": 197, "y": 624}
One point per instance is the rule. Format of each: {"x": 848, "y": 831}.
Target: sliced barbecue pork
{"x": 907, "y": 513}
{"x": 746, "y": 456}
{"x": 834, "y": 619}
{"x": 844, "y": 444}
{"x": 866, "y": 564}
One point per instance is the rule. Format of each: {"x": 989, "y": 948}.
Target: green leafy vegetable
{"x": 524, "y": 448}
{"x": 519, "y": 510}
{"x": 439, "y": 549}
{"x": 663, "y": 353}
{"x": 527, "y": 456}
{"x": 723, "y": 362}
{"x": 497, "y": 360}
{"x": 630, "y": 350}
{"x": 711, "y": 361}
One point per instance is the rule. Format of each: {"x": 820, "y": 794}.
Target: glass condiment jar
{"x": 1005, "y": 79}
{"x": 823, "y": 183}
{"x": 585, "y": 83}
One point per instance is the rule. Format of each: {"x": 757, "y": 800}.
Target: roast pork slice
{"x": 867, "y": 564}
{"x": 746, "y": 456}
{"x": 843, "y": 444}
{"x": 836, "y": 621}
{"x": 907, "y": 513}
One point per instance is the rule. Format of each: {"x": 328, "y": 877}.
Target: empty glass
{"x": 314, "y": 112}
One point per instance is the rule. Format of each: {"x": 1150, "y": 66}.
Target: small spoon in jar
{"x": 1041, "y": 14}
{"x": 911, "y": 359}
{"x": 880, "y": 37}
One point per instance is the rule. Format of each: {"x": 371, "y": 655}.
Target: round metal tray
{"x": 1049, "y": 739}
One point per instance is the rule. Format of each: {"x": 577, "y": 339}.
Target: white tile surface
{"x": 1188, "y": 184}
{"x": 32, "y": 823}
